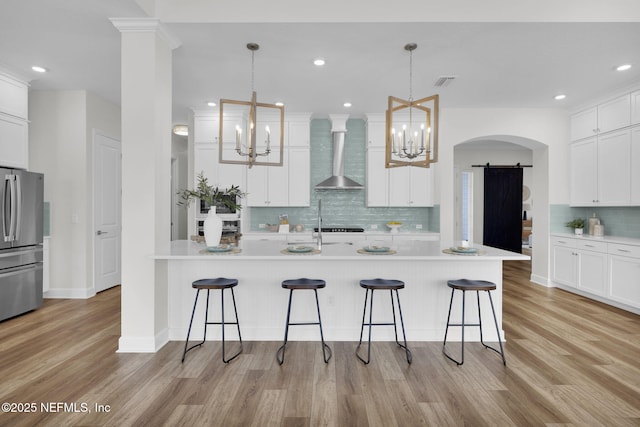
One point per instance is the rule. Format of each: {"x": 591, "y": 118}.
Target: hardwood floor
{"x": 570, "y": 361}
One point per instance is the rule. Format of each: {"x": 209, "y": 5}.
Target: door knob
{"x": 100, "y": 232}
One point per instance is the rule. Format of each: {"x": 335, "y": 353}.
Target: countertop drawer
{"x": 592, "y": 245}
{"x": 624, "y": 250}
{"x": 563, "y": 241}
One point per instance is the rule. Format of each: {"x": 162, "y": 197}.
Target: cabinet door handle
{"x": 589, "y": 246}
{"x": 624, "y": 250}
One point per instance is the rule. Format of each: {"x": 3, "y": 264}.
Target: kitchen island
{"x": 260, "y": 267}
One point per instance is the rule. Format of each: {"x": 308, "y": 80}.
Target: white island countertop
{"x": 276, "y": 250}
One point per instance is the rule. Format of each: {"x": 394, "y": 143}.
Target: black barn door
{"x": 503, "y": 208}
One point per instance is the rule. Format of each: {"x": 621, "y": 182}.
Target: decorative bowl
{"x": 394, "y": 226}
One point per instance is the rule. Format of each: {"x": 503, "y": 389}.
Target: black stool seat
{"x": 465, "y": 285}
{"x": 303, "y": 284}
{"x": 471, "y": 285}
{"x": 382, "y": 285}
{"x": 217, "y": 283}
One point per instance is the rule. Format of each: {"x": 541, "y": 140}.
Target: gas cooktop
{"x": 340, "y": 229}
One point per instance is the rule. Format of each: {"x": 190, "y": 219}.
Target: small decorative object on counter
{"x": 593, "y": 221}
{"x": 212, "y": 228}
{"x": 598, "y": 230}
{"x": 577, "y": 225}
{"x": 394, "y": 226}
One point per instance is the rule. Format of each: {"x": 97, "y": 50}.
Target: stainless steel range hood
{"x": 337, "y": 181}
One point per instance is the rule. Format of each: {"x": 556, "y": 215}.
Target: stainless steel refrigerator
{"x": 21, "y": 200}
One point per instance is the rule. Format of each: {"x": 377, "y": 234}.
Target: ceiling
{"x": 498, "y": 65}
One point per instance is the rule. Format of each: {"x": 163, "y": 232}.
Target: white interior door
{"x": 107, "y": 190}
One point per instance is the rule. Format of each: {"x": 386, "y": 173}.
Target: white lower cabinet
{"x": 580, "y": 264}
{"x": 592, "y": 267}
{"x": 624, "y": 274}
{"x": 564, "y": 261}
{"x": 608, "y": 271}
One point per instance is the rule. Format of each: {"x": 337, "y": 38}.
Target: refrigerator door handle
{"x": 17, "y": 211}
{"x": 7, "y": 184}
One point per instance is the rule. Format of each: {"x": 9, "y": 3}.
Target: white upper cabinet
{"x": 614, "y": 114}
{"x": 14, "y": 127}
{"x": 601, "y": 170}
{"x": 635, "y": 165}
{"x": 377, "y": 178}
{"x": 584, "y": 124}
{"x": 605, "y": 117}
{"x": 604, "y": 159}
{"x": 411, "y": 186}
{"x": 635, "y": 107}
{"x": 14, "y": 97}
{"x": 614, "y": 168}
{"x": 405, "y": 186}
{"x": 584, "y": 164}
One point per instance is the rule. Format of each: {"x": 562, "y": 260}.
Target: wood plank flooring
{"x": 570, "y": 361}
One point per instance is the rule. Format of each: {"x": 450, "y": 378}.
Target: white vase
{"x": 578, "y": 231}
{"x": 212, "y": 228}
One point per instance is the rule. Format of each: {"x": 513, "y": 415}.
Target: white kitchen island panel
{"x": 261, "y": 267}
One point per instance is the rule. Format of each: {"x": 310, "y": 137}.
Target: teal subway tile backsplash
{"x": 618, "y": 221}
{"x": 344, "y": 208}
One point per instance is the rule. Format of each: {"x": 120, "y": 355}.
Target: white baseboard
{"x": 542, "y": 281}
{"x": 143, "y": 344}
{"x": 69, "y": 293}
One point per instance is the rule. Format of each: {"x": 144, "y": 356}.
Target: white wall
{"x": 60, "y": 140}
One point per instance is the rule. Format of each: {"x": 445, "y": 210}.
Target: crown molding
{"x": 146, "y": 25}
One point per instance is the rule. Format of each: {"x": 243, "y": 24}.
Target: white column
{"x": 146, "y": 177}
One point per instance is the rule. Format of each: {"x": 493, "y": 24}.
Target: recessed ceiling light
{"x": 347, "y": 104}
{"x": 318, "y": 62}
{"x": 211, "y": 104}
{"x": 280, "y": 104}
{"x": 559, "y": 97}
{"x": 623, "y": 67}
{"x": 39, "y": 69}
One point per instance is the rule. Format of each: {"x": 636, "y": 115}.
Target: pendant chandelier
{"x": 411, "y": 127}
{"x": 249, "y": 130}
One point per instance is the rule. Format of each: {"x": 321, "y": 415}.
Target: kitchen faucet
{"x": 319, "y": 236}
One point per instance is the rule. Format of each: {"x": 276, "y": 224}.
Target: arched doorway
{"x": 469, "y": 188}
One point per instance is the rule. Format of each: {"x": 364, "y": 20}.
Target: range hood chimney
{"x": 337, "y": 181}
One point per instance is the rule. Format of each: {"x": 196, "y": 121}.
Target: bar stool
{"x": 382, "y": 284}
{"x": 297, "y": 284}
{"x": 212, "y": 284}
{"x": 472, "y": 285}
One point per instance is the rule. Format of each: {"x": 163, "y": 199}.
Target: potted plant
{"x": 577, "y": 225}
{"x": 211, "y": 196}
